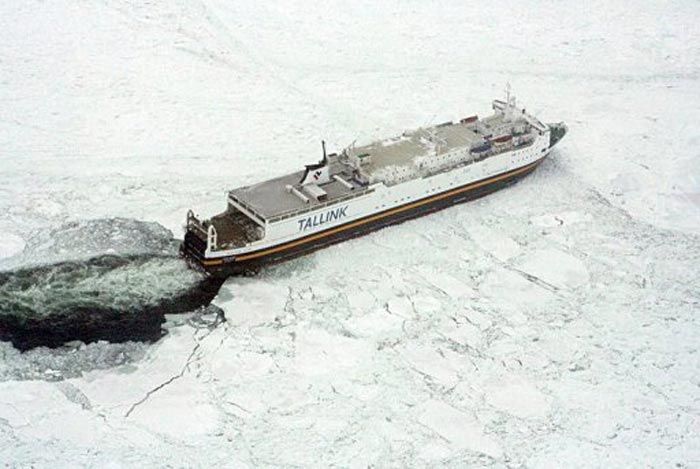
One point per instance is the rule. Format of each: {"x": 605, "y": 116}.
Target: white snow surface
{"x": 11, "y": 245}
{"x": 553, "y": 323}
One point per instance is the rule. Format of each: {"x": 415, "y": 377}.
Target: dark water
{"x": 114, "y": 297}
{"x": 108, "y": 297}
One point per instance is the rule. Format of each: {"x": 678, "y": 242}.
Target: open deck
{"x": 403, "y": 150}
{"x": 271, "y": 200}
{"x": 436, "y": 140}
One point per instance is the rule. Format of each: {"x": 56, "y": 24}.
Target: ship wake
{"x": 120, "y": 295}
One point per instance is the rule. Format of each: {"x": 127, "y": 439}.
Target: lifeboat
{"x": 503, "y": 139}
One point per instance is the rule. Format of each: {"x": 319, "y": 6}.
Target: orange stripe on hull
{"x": 403, "y": 208}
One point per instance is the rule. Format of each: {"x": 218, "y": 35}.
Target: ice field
{"x": 554, "y": 323}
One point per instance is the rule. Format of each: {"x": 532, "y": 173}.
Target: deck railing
{"x": 309, "y": 208}
{"x": 206, "y": 229}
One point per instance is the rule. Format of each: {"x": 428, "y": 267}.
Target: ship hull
{"x": 252, "y": 262}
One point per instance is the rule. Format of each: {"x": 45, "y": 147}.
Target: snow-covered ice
{"x": 11, "y": 245}
{"x": 551, "y": 323}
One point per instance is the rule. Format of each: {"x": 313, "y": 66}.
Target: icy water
{"x": 120, "y": 295}
{"x": 554, "y": 321}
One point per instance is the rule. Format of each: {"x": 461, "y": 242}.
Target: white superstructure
{"x": 361, "y": 183}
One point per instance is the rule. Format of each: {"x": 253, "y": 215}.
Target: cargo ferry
{"x": 364, "y": 188}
